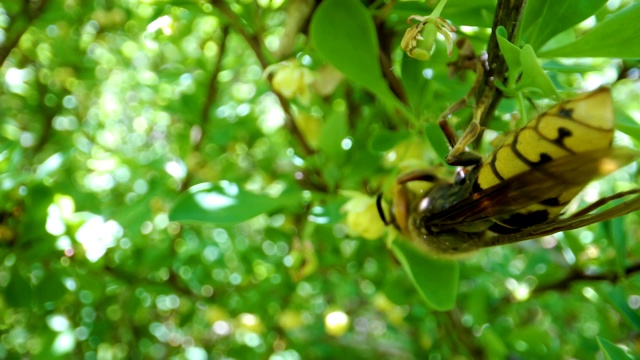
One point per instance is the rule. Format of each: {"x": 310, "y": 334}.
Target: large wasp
{"x": 520, "y": 190}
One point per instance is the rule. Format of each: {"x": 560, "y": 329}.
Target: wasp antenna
{"x": 381, "y": 209}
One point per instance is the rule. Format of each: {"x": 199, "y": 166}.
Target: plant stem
{"x": 436, "y": 12}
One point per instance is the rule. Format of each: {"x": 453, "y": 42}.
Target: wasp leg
{"x": 459, "y": 155}
{"x": 467, "y": 60}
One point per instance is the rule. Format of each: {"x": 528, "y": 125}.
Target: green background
{"x": 159, "y": 200}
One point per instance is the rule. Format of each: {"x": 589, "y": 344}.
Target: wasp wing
{"x": 570, "y": 223}
{"x": 535, "y": 185}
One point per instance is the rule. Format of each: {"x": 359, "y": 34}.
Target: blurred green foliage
{"x": 170, "y": 189}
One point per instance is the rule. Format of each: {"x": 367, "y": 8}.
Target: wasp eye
{"x": 460, "y": 177}
{"x": 424, "y": 204}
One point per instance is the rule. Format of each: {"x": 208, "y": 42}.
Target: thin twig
{"x": 211, "y": 95}
{"x": 464, "y": 335}
{"x": 251, "y": 39}
{"x": 575, "y": 275}
{"x": 12, "y": 42}
{"x": 255, "y": 44}
{"x": 212, "y": 87}
{"x": 385, "y": 42}
{"x": 394, "y": 82}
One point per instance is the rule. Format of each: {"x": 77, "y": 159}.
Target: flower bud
{"x": 419, "y": 41}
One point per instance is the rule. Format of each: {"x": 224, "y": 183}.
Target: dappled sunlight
{"x": 96, "y": 236}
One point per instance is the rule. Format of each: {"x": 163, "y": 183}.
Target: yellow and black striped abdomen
{"x": 581, "y": 124}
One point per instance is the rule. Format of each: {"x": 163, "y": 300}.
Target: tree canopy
{"x": 196, "y": 179}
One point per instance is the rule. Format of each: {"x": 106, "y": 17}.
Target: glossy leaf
{"x": 333, "y": 28}
{"x": 435, "y": 279}
{"x": 437, "y": 140}
{"x": 533, "y": 76}
{"x": 616, "y": 36}
{"x": 611, "y": 351}
{"x": 225, "y": 203}
{"x": 524, "y": 68}
{"x": 626, "y": 124}
{"x": 618, "y": 298}
{"x": 544, "y": 19}
{"x": 510, "y": 51}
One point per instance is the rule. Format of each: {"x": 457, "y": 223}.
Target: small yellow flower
{"x": 292, "y": 80}
{"x": 419, "y": 41}
{"x": 311, "y": 128}
{"x": 362, "y": 216}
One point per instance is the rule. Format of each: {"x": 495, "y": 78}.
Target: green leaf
{"x": 543, "y": 19}
{"x": 512, "y": 55}
{"x": 551, "y": 65}
{"x": 618, "y": 298}
{"x": 510, "y": 52}
{"x": 18, "y": 292}
{"x": 617, "y": 36}
{"x": 611, "y": 351}
{"x": 438, "y": 140}
{"x": 533, "y": 76}
{"x": 616, "y": 232}
{"x": 435, "y": 279}
{"x": 50, "y": 288}
{"x": 493, "y": 344}
{"x": 344, "y": 33}
{"x": 477, "y": 13}
{"x": 333, "y": 132}
{"x": 38, "y": 201}
{"x": 14, "y": 7}
{"x": 627, "y": 124}
{"x": 225, "y": 203}
{"x": 383, "y": 139}
{"x": 396, "y": 288}
{"x": 414, "y": 82}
